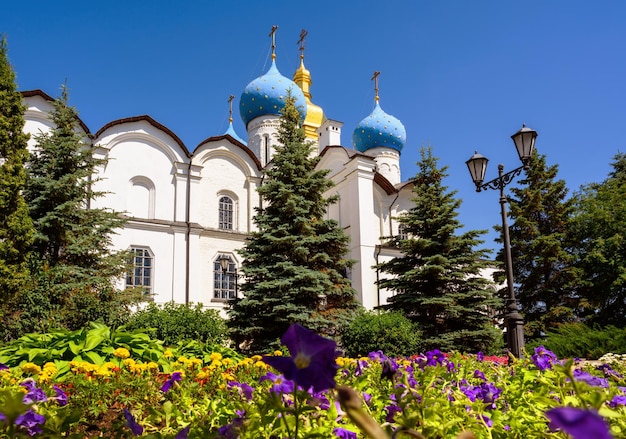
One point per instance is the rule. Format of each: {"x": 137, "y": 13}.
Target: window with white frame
{"x": 226, "y": 213}
{"x": 225, "y": 281}
{"x": 402, "y": 233}
{"x": 141, "y": 271}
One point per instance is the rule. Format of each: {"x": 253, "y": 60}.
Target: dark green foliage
{"x": 577, "y": 340}
{"x": 390, "y": 332}
{"x": 73, "y": 268}
{"x": 294, "y": 265}
{"x": 438, "y": 280}
{"x": 542, "y": 265}
{"x": 599, "y": 242}
{"x": 16, "y": 228}
{"x": 173, "y": 323}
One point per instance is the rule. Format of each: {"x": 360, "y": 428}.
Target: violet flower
{"x": 167, "y": 385}
{"x": 34, "y": 394}
{"x": 3, "y": 366}
{"x": 592, "y": 380}
{"x": 244, "y": 389}
{"x": 31, "y": 422}
{"x": 184, "y": 433}
{"x": 61, "y": 396}
{"x": 312, "y": 362}
{"x": 617, "y": 400}
{"x": 281, "y": 385}
{"x": 543, "y": 358}
{"x": 130, "y": 423}
{"x": 342, "y": 433}
{"x": 435, "y": 357}
{"x": 578, "y": 423}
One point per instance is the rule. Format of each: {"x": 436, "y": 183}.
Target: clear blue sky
{"x": 461, "y": 75}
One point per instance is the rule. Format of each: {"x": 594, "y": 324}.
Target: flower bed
{"x": 433, "y": 395}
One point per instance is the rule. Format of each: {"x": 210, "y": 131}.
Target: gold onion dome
{"x": 314, "y": 113}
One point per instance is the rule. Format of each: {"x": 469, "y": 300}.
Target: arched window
{"x": 225, "y": 281}
{"x": 141, "y": 198}
{"x": 140, "y": 275}
{"x": 226, "y": 213}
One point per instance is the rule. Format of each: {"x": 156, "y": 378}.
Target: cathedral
{"x": 190, "y": 210}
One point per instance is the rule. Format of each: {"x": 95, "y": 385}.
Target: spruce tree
{"x": 74, "y": 265}
{"x": 439, "y": 281}
{"x": 16, "y": 228}
{"x": 599, "y": 244}
{"x": 540, "y": 216}
{"x": 295, "y": 264}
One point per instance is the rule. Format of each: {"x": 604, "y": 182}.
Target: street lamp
{"x": 225, "y": 262}
{"x": 524, "y": 141}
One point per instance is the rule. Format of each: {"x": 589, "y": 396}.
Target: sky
{"x": 461, "y": 75}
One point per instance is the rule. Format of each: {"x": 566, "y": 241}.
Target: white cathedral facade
{"x": 189, "y": 210}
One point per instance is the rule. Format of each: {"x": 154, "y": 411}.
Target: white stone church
{"x": 190, "y": 208}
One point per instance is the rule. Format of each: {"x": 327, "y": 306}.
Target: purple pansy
{"x": 312, "y": 362}
{"x": 167, "y": 385}
{"x": 60, "y": 397}
{"x": 231, "y": 431}
{"x": 182, "y": 434}
{"x": 391, "y": 412}
{"x": 342, "y": 433}
{"x": 389, "y": 368}
{"x": 435, "y": 357}
{"x": 3, "y": 366}
{"x": 592, "y": 380}
{"x": 31, "y": 422}
{"x": 543, "y": 358}
{"x": 480, "y": 356}
{"x": 245, "y": 390}
{"x": 578, "y": 423}
{"x": 281, "y": 385}
{"x": 130, "y": 423}
{"x": 617, "y": 400}
{"x": 34, "y": 394}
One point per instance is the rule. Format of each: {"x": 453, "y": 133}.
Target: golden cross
{"x": 272, "y": 34}
{"x": 375, "y": 79}
{"x": 303, "y": 35}
{"x": 230, "y": 103}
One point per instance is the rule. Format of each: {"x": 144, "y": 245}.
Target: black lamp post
{"x": 225, "y": 262}
{"x": 524, "y": 141}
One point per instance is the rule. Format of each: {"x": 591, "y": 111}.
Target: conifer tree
{"x": 438, "y": 281}
{"x": 295, "y": 264}
{"x": 542, "y": 265}
{"x": 16, "y": 228}
{"x": 600, "y": 245}
{"x": 74, "y": 264}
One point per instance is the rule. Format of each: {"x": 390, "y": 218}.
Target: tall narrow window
{"x": 226, "y": 213}
{"x": 402, "y": 233}
{"x": 141, "y": 272}
{"x": 225, "y": 281}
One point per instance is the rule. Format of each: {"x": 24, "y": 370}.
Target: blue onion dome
{"x": 266, "y": 95}
{"x": 379, "y": 129}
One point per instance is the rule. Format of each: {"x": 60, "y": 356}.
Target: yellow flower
{"x": 182, "y": 359}
{"x": 227, "y": 361}
{"x": 228, "y": 376}
{"x": 261, "y": 365}
{"x": 121, "y": 353}
{"x": 215, "y": 356}
{"x": 168, "y": 353}
{"x": 203, "y": 374}
{"x": 152, "y": 365}
{"x": 278, "y": 353}
{"x": 30, "y": 368}
{"x": 256, "y": 358}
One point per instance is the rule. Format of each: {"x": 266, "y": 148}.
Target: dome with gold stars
{"x": 379, "y": 129}
{"x": 266, "y": 96}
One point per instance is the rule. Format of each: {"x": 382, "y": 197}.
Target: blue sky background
{"x": 461, "y": 75}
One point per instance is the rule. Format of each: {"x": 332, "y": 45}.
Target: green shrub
{"x": 577, "y": 340}
{"x": 173, "y": 323}
{"x": 390, "y": 332}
